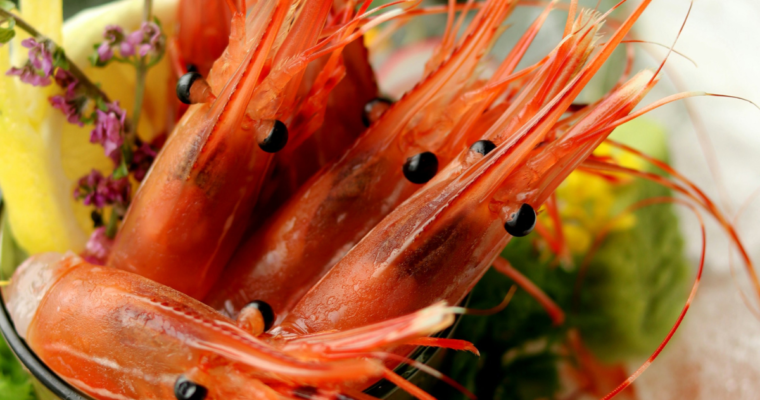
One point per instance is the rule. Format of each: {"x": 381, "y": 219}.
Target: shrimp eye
{"x": 374, "y": 109}
{"x": 483, "y": 146}
{"x": 184, "y": 84}
{"x": 276, "y": 139}
{"x": 421, "y": 168}
{"x": 522, "y": 222}
{"x": 266, "y": 312}
{"x": 185, "y": 389}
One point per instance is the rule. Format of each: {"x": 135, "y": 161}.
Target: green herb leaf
{"x": 7, "y": 5}
{"x": 101, "y": 104}
{"x": 59, "y": 58}
{"x": 126, "y": 153}
{"x": 94, "y": 58}
{"x": 122, "y": 171}
{"x": 6, "y": 34}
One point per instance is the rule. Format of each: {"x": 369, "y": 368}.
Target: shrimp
{"x": 194, "y": 205}
{"x": 342, "y": 119}
{"x": 202, "y": 34}
{"x": 438, "y": 243}
{"x": 71, "y": 313}
{"x": 347, "y": 198}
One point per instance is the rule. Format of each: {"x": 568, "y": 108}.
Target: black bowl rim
{"x": 66, "y": 391}
{"x": 36, "y": 367}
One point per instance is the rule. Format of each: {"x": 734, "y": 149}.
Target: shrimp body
{"x": 203, "y": 32}
{"x": 73, "y": 313}
{"x": 438, "y": 243}
{"x": 195, "y": 203}
{"x": 341, "y": 122}
{"x": 348, "y": 197}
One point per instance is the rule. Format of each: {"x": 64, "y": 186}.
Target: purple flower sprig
{"x": 100, "y": 191}
{"x": 39, "y": 68}
{"x": 98, "y": 247}
{"x": 133, "y": 48}
{"x": 48, "y": 60}
{"x": 83, "y": 102}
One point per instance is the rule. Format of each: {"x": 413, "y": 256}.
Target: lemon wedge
{"x": 41, "y": 155}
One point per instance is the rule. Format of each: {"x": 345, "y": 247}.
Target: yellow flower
{"x": 587, "y": 203}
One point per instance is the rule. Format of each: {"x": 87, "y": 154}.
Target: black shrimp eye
{"x": 483, "y": 146}
{"x": 266, "y": 312}
{"x": 374, "y": 109}
{"x": 421, "y": 168}
{"x": 185, "y": 389}
{"x": 184, "y": 84}
{"x": 276, "y": 139}
{"x": 522, "y": 222}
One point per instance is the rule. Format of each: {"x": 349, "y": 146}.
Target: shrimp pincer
{"x": 72, "y": 313}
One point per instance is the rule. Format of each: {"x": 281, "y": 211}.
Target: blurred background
{"x": 717, "y": 351}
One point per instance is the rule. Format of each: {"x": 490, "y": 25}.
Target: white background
{"x": 717, "y": 352}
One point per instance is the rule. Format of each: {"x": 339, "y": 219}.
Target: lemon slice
{"x": 41, "y": 155}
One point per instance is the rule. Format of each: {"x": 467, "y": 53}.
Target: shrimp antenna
{"x": 425, "y": 368}
{"x": 662, "y": 45}
{"x": 233, "y": 6}
{"x": 691, "y": 5}
{"x": 489, "y": 311}
{"x": 555, "y": 312}
{"x": 728, "y": 96}
{"x": 731, "y": 266}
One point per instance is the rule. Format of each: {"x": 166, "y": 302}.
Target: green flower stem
{"x": 142, "y": 70}
{"x": 113, "y": 224}
{"x": 73, "y": 69}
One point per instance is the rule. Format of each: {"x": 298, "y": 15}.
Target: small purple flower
{"x": 98, "y": 247}
{"x": 39, "y": 55}
{"x": 87, "y": 189}
{"x": 105, "y": 52}
{"x": 69, "y": 106}
{"x": 146, "y": 40}
{"x": 108, "y": 130}
{"x": 65, "y": 79}
{"x": 28, "y": 74}
{"x": 116, "y": 191}
{"x": 129, "y": 45}
{"x": 141, "y": 161}
{"x": 114, "y": 35}
{"x": 96, "y": 190}
{"x": 153, "y": 42}
{"x": 70, "y": 103}
{"x": 143, "y": 41}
